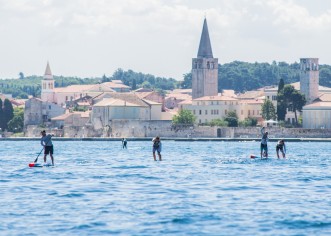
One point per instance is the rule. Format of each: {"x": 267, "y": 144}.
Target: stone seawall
{"x": 137, "y": 128}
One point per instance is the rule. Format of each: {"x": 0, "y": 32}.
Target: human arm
{"x": 262, "y": 130}
{"x": 42, "y": 142}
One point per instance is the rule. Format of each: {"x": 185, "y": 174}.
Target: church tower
{"x": 47, "y": 85}
{"x": 309, "y": 78}
{"x": 204, "y": 68}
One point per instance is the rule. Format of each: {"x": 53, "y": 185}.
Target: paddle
{"x": 38, "y": 155}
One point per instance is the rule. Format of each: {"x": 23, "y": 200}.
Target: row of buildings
{"x": 98, "y": 105}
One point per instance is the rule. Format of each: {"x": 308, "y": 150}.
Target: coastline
{"x": 170, "y": 138}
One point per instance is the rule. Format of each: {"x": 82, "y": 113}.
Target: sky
{"x": 87, "y": 38}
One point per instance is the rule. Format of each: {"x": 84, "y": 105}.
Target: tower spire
{"x": 48, "y": 73}
{"x": 205, "y": 45}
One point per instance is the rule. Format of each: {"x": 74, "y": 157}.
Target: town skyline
{"x": 156, "y": 37}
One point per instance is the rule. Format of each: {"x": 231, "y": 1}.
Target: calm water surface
{"x": 201, "y": 188}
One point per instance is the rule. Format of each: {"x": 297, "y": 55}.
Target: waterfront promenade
{"x": 168, "y": 138}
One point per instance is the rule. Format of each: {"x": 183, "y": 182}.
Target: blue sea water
{"x": 200, "y": 188}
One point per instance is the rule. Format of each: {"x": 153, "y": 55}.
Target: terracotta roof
{"x": 229, "y": 93}
{"x": 140, "y": 90}
{"x": 188, "y": 102}
{"x": 317, "y": 105}
{"x": 251, "y": 94}
{"x": 151, "y": 102}
{"x": 252, "y": 101}
{"x": 183, "y": 91}
{"x": 181, "y": 96}
{"x": 325, "y": 97}
{"x": 115, "y": 85}
{"x": 62, "y": 117}
{"x": 117, "y": 81}
{"x": 128, "y": 97}
{"x": 83, "y": 88}
{"x": 143, "y": 94}
{"x": 215, "y": 98}
{"x": 115, "y": 102}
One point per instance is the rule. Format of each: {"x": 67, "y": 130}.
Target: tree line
{"x": 239, "y": 76}
{"x": 244, "y": 76}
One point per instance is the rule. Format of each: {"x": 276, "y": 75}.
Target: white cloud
{"x": 89, "y": 38}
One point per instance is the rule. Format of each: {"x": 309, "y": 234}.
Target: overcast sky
{"x": 89, "y": 38}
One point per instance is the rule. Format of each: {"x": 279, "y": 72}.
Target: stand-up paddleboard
{"x": 253, "y": 157}
{"x": 39, "y": 165}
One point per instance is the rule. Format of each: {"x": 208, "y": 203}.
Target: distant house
{"x": 71, "y": 119}
{"x": 123, "y": 106}
{"x": 317, "y": 115}
{"x": 80, "y": 104}
{"x": 150, "y": 95}
{"x": 38, "y": 112}
{"x": 117, "y": 86}
{"x": 209, "y": 108}
{"x": 177, "y": 96}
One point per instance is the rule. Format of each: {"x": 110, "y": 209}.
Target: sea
{"x": 199, "y": 188}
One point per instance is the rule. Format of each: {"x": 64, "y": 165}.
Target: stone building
{"x": 47, "y": 86}
{"x": 38, "y": 112}
{"x": 309, "y": 78}
{"x": 204, "y": 68}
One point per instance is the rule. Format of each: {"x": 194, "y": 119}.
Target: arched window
{"x": 208, "y": 65}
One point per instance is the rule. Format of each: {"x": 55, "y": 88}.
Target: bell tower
{"x": 47, "y": 85}
{"x": 204, "y": 68}
{"x": 309, "y": 78}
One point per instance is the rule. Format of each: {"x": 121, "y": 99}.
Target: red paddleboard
{"x": 35, "y": 165}
{"x": 252, "y": 156}
{"x": 32, "y": 164}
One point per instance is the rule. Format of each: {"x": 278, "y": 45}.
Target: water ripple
{"x": 201, "y": 188}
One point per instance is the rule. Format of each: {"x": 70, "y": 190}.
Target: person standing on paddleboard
{"x": 281, "y": 147}
{"x": 124, "y": 143}
{"x": 46, "y": 142}
{"x": 264, "y": 143}
{"x": 157, "y": 147}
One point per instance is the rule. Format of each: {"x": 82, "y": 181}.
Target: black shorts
{"x": 279, "y": 147}
{"x": 48, "y": 149}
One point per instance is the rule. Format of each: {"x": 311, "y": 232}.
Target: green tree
{"x": 293, "y": 99}
{"x": 232, "y": 119}
{"x": 280, "y": 85}
{"x": 187, "y": 83}
{"x": 184, "y": 117}
{"x": 16, "y": 124}
{"x": 268, "y": 110}
{"x": 8, "y": 113}
{"x": 298, "y": 101}
{"x": 281, "y": 105}
{"x": 21, "y": 75}
{"x": 218, "y": 122}
{"x": 134, "y": 84}
{"x": 249, "y": 121}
